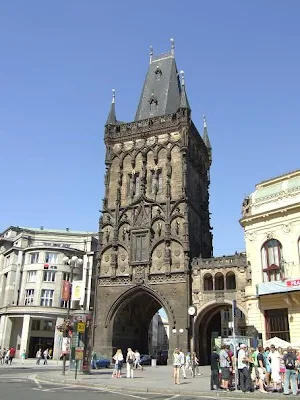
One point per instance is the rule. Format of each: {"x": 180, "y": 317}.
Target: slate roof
{"x": 161, "y": 92}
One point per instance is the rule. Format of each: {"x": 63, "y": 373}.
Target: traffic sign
{"x": 80, "y": 327}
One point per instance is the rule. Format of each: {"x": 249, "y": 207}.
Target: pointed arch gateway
{"x": 130, "y": 316}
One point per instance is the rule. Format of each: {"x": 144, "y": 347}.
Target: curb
{"x": 133, "y": 389}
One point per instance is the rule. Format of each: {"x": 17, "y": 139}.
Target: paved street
{"x": 38, "y": 382}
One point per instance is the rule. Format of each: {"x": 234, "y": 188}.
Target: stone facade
{"x": 155, "y": 217}
{"x": 271, "y": 221}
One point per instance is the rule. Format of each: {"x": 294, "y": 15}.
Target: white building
{"x": 32, "y": 272}
{"x": 271, "y": 221}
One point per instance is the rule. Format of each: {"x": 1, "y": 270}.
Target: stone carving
{"x": 177, "y": 252}
{"x": 107, "y": 233}
{"x": 159, "y": 228}
{"x": 269, "y": 235}
{"x": 250, "y": 236}
{"x": 286, "y": 228}
{"x": 159, "y": 253}
{"x": 178, "y": 278}
{"x": 177, "y": 227}
{"x": 106, "y": 257}
{"x": 114, "y": 282}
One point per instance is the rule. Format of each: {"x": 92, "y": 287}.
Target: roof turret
{"x": 184, "y": 103}
{"x": 206, "y": 138}
{"x": 111, "y": 119}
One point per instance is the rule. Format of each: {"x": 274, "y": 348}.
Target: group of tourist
{"x": 264, "y": 369}
{"x": 7, "y": 355}
{"x": 183, "y": 363}
{"x": 132, "y": 359}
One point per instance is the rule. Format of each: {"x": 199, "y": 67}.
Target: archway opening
{"x": 219, "y": 281}
{"x": 213, "y": 325}
{"x": 208, "y": 282}
{"x": 230, "y": 281}
{"x": 141, "y": 323}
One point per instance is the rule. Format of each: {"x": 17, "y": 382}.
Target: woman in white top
{"x": 118, "y": 357}
{"x": 130, "y": 358}
{"x": 176, "y": 364}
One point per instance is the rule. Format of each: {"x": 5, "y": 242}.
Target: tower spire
{"x": 172, "y": 46}
{"x": 111, "y": 119}
{"x": 206, "y": 138}
{"x": 151, "y": 54}
{"x": 184, "y": 103}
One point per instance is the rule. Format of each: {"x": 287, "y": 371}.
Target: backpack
{"x": 290, "y": 362}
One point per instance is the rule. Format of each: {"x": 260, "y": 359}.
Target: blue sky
{"x": 60, "y": 60}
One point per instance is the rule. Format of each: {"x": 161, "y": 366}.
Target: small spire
{"x": 111, "y": 119}
{"x": 184, "y": 103}
{"x": 151, "y": 54}
{"x": 205, "y": 134}
{"x": 172, "y": 46}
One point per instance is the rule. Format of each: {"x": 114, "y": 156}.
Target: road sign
{"x": 80, "y": 327}
{"x": 79, "y": 354}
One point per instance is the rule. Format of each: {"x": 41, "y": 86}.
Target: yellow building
{"x": 271, "y": 222}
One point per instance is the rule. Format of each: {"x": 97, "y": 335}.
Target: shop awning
{"x": 275, "y": 287}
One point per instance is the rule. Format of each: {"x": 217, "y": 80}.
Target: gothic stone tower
{"x": 155, "y": 215}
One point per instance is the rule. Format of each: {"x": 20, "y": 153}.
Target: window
{"x": 139, "y": 247}
{"x": 8, "y": 260}
{"x": 63, "y": 304}
{"x": 271, "y": 260}
{"x": 49, "y": 276}
{"x": 47, "y": 297}
{"x": 277, "y": 324}
{"x": 133, "y": 184}
{"x": 226, "y": 315}
{"x": 48, "y": 325}
{"x": 29, "y": 296}
{"x": 219, "y": 281}
{"x": 31, "y": 276}
{"x": 156, "y": 181}
{"x": 35, "y": 325}
{"x": 51, "y": 258}
{"x": 34, "y": 258}
{"x": 230, "y": 281}
{"x": 208, "y": 282}
{"x": 66, "y": 276}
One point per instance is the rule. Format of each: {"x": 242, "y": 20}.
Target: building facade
{"x": 155, "y": 214}
{"x": 271, "y": 221}
{"x": 32, "y": 272}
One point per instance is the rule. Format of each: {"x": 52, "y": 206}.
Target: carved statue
{"x": 177, "y": 227}
{"x": 159, "y": 228}
{"x": 107, "y": 234}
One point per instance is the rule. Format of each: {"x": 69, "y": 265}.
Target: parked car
{"x": 100, "y": 362}
{"x": 162, "y": 357}
{"x": 145, "y": 359}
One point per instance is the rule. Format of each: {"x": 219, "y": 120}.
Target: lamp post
{"x": 192, "y": 310}
{"x": 177, "y": 333}
{"x": 73, "y": 262}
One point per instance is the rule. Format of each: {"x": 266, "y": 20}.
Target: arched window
{"x": 219, "y": 281}
{"x": 230, "y": 281}
{"x": 271, "y": 260}
{"x": 208, "y": 282}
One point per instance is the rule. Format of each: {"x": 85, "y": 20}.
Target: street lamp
{"x": 73, "y": 262}
{"x": 177, "y": 333}
{"x": 192, "y": 310}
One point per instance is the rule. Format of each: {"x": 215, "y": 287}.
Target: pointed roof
{"x": 205, "y": 134}
{"x": 184, "y": 103}
{"x": 111, "y": 119}
{"x": 161, "y": 91}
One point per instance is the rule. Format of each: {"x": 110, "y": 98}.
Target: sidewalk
{"x": 152, "y": 379}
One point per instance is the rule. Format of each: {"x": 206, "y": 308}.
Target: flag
{"x": 66, "y": 291}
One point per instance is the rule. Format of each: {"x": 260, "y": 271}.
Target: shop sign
{"x": 293, "y": 282}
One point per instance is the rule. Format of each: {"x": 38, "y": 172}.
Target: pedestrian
{"x": 50, "y": 354}
{"x": 275, "y": 361}
{"x": 243, "y": 368}
{"x": 45, "y": 356}
{"x": 290, "y": 362}
{"x": 38, "y": 356}
{"x": 12, "y": 353}
{"x": 261, "y": 369}
{"x": 118, "y": 357}
{"x": 177, "y": 360}
{"x": 182, "y": 366}
{"x": 196, "y": 363}
{"x": 130, "y": 358}
{"x": 214, "y": 370}
{"x": 225, "y": 367}
{"x": 94, "y": 359}
{"x": 3, "y": 353}
{"x": 188, "y": 363}
{"x": 7, "y": 356}
{"x": 23, "y": 357}
{"x": 268, "y": 366}
{"x": 137, "y": 362}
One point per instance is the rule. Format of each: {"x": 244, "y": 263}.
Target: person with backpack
{"x": 130, "y": 358}
{"x": 290, "y": 362}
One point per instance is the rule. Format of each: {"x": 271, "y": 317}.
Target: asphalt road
{"x": 18, "y": 386}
